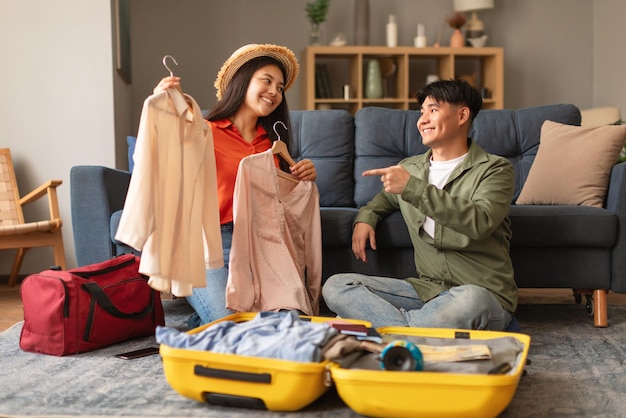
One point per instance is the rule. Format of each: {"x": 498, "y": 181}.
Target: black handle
{"x": 105, "y": 303}
{"x": 232, "y": 375}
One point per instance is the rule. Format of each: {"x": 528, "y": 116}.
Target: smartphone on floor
{"x": 131, "y": 355}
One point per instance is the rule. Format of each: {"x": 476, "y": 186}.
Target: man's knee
{"x": 479, "y": 304}
{"x": 337, "y": 284}
{"x": 471, "y": 294}
{"x": 333, "y": 284}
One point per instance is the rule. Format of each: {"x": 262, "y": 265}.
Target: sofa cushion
{"x": 573, "y": 165}
{"x": 537, "y": 226}
{"x": 337, "y": 226}
{"x": 115, "y": 223}
{"x": 392, "y": 232}
{"x": 131, "y": 141}
{"x": 326, "y": 137}
{"x": 384, "y": 136}
{"x": 120, "y": 247}
{"x": 515, "y": 134}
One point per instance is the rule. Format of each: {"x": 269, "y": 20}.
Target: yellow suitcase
{"x": 384, "y": 393}
{"x": 245, "y": 381}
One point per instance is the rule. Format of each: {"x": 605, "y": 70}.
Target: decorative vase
{"x": 361, "y": 22}
{"x": 315, "y": 34}
{"x": 457, "y": 40}
{"x": 373, "y": 81}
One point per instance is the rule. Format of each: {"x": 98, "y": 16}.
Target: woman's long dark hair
{"x": 235, "y": 94}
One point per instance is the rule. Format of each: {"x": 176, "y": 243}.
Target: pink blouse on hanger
{"x": 276, "y": 254}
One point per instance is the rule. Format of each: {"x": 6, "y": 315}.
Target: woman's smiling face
{"x": 265, "y": 91}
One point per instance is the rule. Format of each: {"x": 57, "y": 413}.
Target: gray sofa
{"x": 577, "y": 247}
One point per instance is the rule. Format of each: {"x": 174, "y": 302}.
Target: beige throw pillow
{"x": 573, "y": 165}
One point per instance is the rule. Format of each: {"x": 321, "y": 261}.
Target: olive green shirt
{"x": 472, "y": 228}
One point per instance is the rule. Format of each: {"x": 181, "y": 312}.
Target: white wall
{"x": 548, "y": 50}
{"x": 609, "y": 54}
{"x": 57, "y": 100}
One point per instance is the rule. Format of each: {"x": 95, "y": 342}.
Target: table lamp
{"x": 474, "y": 28}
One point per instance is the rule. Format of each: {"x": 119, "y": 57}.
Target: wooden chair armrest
{"x": 49, "y": 188}
{"x": 40, "y": 191}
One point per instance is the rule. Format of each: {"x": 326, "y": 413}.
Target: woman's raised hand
{"x": 166, "y": 83}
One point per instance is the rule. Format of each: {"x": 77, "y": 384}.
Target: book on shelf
{"x": 319, "y": 93}
{"x": 323, "y": 89}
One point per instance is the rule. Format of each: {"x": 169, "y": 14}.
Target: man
{"x": 455, "y": 201}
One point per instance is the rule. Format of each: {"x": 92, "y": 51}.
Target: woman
{"x": 250, "y": 91}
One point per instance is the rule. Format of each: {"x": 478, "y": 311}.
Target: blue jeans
{"x": 385, "y": 301}
{"x": 210, "y": 302}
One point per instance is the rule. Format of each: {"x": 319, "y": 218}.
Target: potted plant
{"x": 316, "y": 13}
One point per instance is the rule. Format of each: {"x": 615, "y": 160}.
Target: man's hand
{"x": 362, "y": 233}
{"x": 394, "y": 178}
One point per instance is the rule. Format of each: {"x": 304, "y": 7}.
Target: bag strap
{"x": 105, "y": 303}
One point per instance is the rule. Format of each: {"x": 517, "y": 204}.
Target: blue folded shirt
{"x": 279, "y": 335}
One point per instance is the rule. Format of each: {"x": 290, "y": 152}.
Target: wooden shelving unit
{"x": 407, "y": 70}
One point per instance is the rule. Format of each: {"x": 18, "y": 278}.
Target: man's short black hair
{"x": 455, "y": 92}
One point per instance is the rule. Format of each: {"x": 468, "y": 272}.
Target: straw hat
{"x": 247, "y": 52}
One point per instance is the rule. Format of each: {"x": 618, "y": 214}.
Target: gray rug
{"x": 576, "y": 370}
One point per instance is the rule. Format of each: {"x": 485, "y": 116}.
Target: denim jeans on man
{"x": 385, "y": 301}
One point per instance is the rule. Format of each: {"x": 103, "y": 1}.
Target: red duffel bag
{"x": 83, "y": 309}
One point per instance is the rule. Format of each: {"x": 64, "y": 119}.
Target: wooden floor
{"x": 10, "y": 306}
{"x": 11, "y": 303}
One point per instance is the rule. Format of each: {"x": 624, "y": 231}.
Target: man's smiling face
{"x": 439, "y": 123}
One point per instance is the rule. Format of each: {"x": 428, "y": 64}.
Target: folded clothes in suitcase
{"x": 478, "y": 388}
{"x": 245, "y": 381}
{"x": 460, "y": 389}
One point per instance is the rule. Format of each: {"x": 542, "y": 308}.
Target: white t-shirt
{"x": 438, "y": 175}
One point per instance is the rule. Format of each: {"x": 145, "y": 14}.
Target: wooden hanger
{"x": 280, "y": 148}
